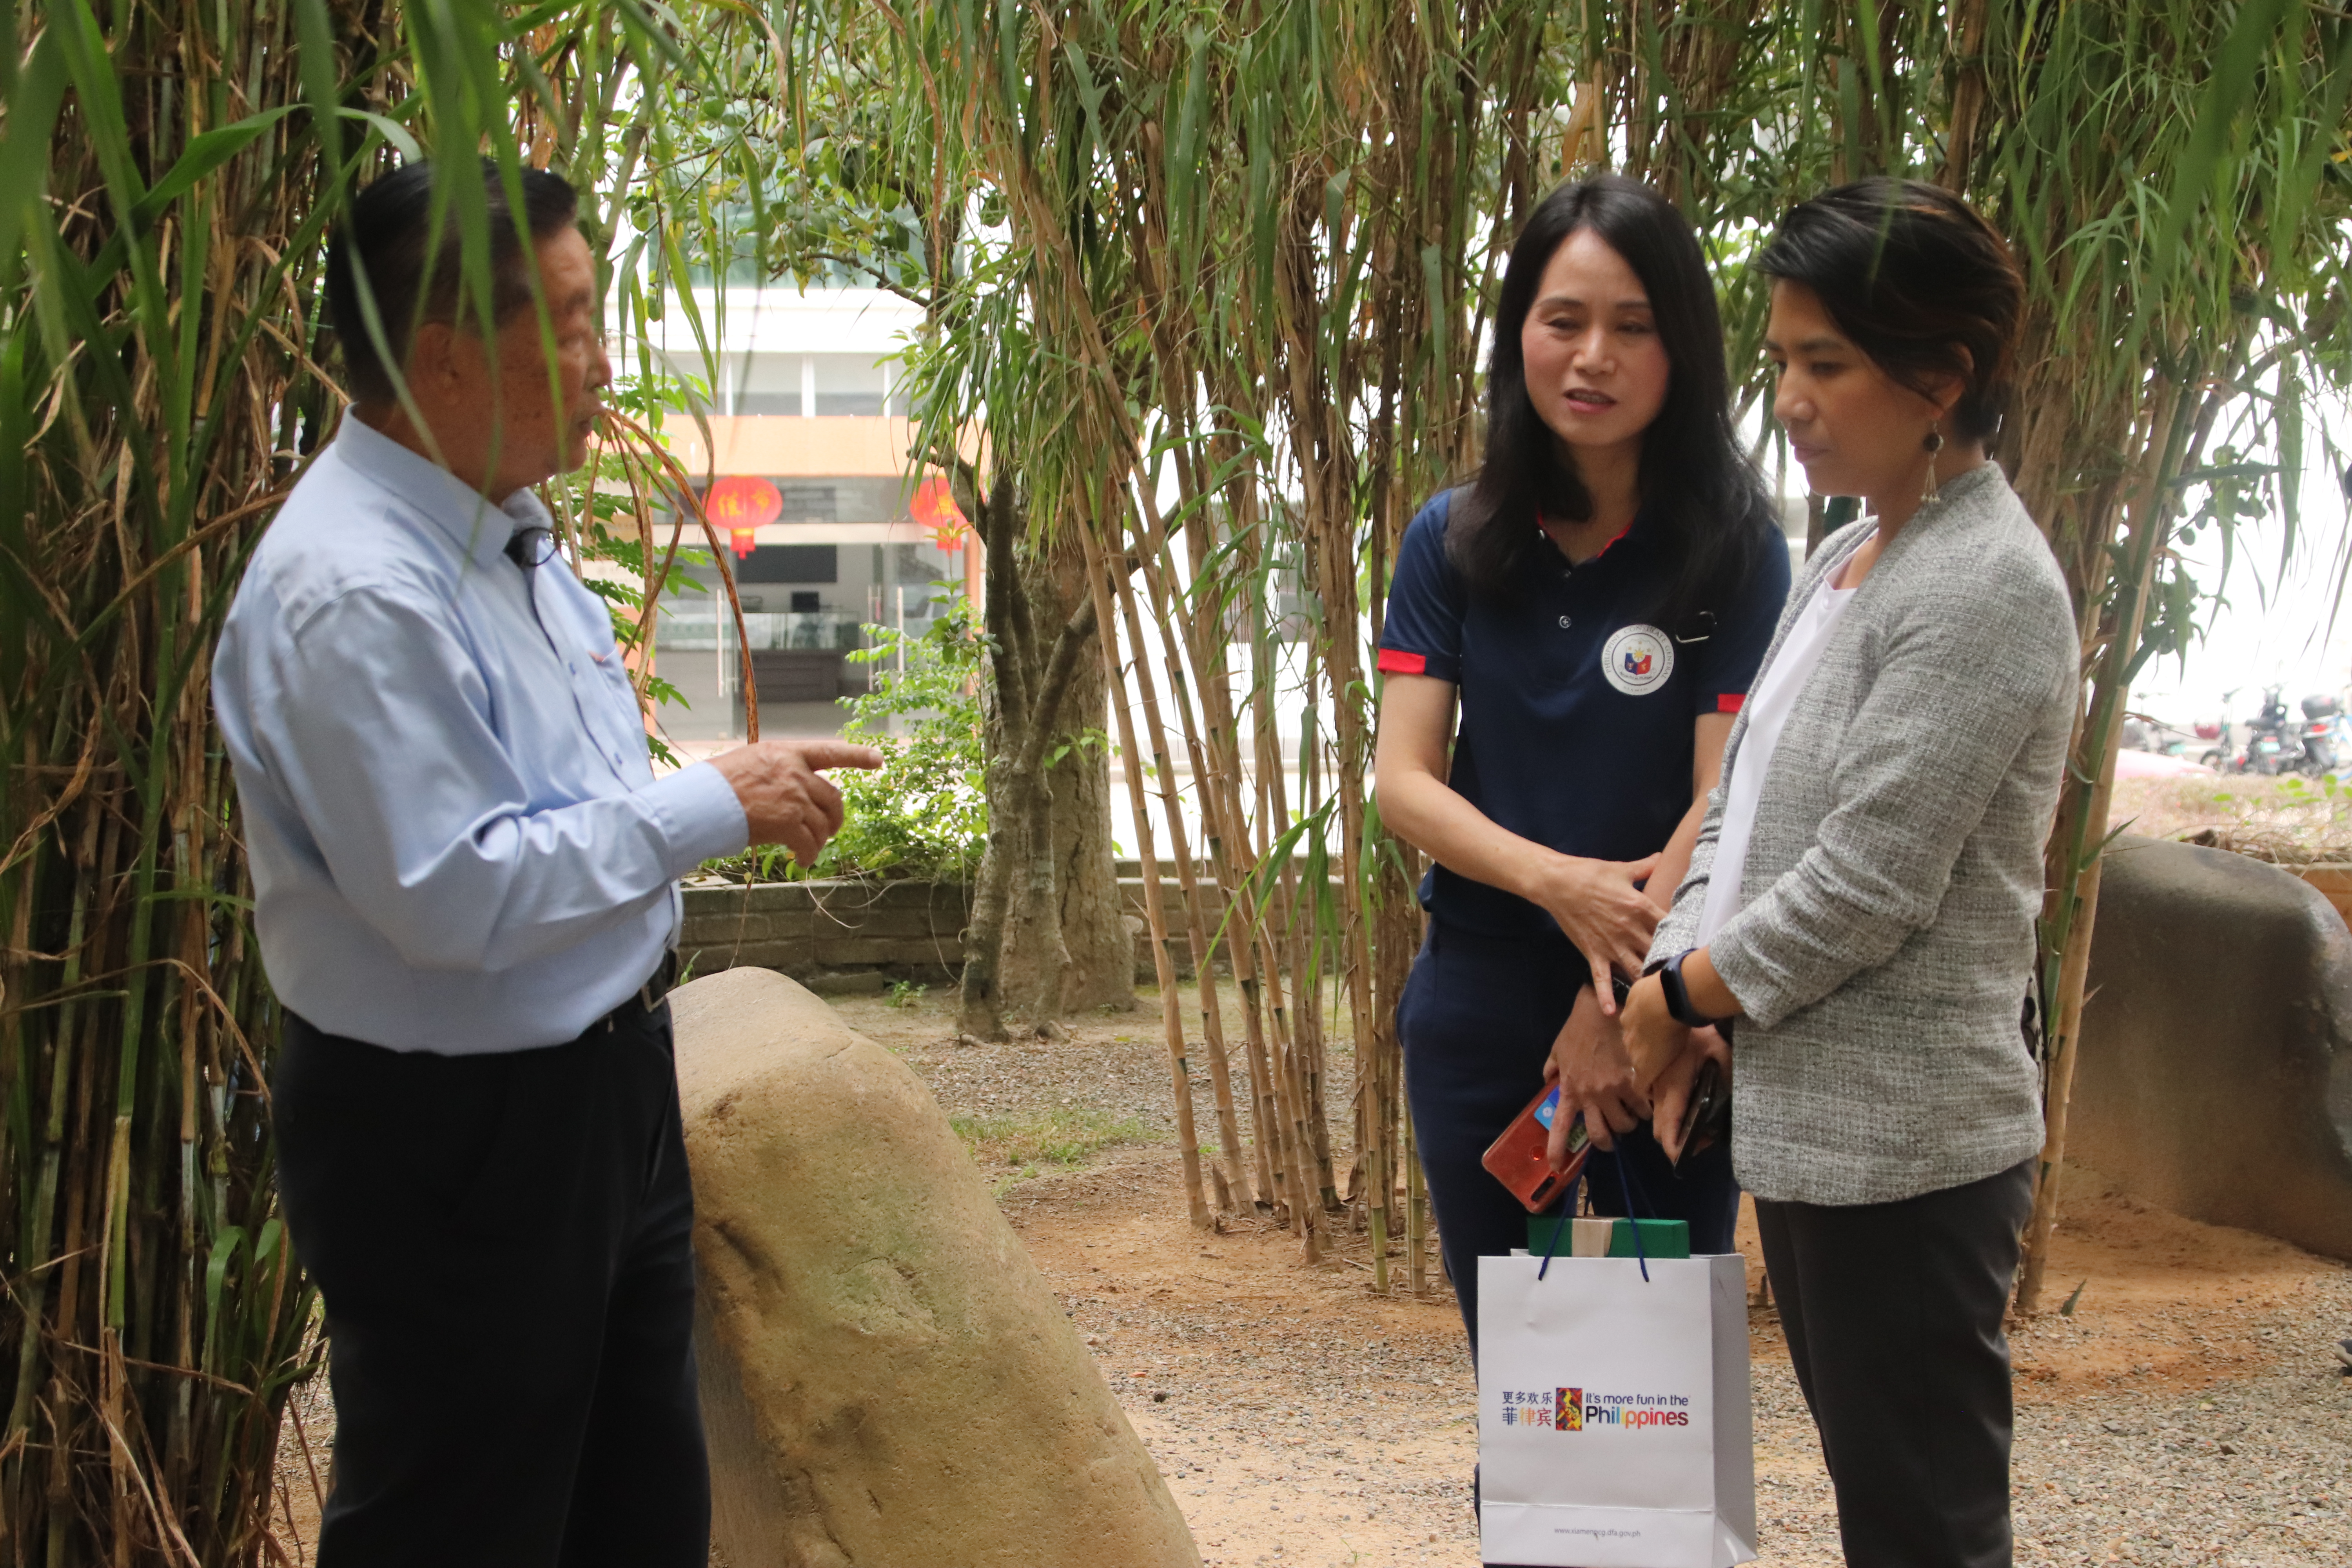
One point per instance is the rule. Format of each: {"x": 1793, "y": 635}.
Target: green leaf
{"x": 226, "y": 1243}
{"x": 205, "y": 154}
{"x": 39, "y": 89}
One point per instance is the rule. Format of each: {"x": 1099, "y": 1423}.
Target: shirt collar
{"x": 1639, "y": 527}
{"x": 477, "y": 527}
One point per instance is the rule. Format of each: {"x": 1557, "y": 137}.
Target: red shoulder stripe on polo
{"x": 1729, "y": 701}
{"x": 1396, "y": 661}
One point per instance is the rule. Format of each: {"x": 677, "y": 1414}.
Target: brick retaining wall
{"x": 875, "y": 932}
{"x": 896, "y": 930}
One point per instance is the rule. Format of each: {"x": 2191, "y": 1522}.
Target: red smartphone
{"x": 1517, "y": 1158}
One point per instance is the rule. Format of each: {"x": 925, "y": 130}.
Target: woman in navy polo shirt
{"x": 1597, "y": 601}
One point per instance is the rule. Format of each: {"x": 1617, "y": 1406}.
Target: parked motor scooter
{"x": 2267, "y": 740}
{"x": 2261, "y": 749}
{"x": 2323, "y": 726}
{"x": 2216, "y": 733}
{"x": 2144, "y": 732}
{"x": 2263, "y": 755}
{"x": 2264, "y": 751}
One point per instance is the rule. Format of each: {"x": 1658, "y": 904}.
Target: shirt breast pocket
{"x": 616, "y": 672}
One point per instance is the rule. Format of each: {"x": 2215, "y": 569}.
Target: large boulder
{"x": 887, "y": 1380}
{"x": 2215, "y": 1073}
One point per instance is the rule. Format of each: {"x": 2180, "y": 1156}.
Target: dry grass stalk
{"x": 172, "y": 175}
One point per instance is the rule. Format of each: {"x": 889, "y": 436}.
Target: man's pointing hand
{"x": 784, "y": 799}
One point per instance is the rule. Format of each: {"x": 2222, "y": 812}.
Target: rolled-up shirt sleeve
{"x": 381, "y": 736}
{"x": 1420, "y": 625}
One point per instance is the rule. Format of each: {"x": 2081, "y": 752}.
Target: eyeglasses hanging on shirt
{"x": 532, "y": 547}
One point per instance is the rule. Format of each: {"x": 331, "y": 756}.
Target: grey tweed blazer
{"x": 1884, "y": 938}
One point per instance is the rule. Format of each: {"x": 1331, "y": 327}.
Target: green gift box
{"x": 1608, "y": 1237}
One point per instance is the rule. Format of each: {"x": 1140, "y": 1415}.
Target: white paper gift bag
{"x": 1614, "y": 1424}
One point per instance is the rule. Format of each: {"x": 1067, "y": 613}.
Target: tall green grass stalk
{"x": 167, "y": 176}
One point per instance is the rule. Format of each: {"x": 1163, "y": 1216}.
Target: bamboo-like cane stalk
{"x": 1155, "y": 912}
{"x": 1288, "y": 222}
{"x": 1233, "y": 1171}
{"x": 1209, "y": 920}
{"x": 2082, "y": 821}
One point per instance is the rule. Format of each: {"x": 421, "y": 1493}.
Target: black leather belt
{"x": 644, "y": 1000}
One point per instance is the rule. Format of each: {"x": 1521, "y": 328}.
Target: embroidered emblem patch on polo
{"x": 1638, "y": 660}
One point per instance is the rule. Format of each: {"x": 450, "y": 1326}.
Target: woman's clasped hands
{"x": 1601, "y": 907}
{"x": 1617, "y": 1071}
{"x": 1665, "y": 1056}
{"x": 1596, "y": 1080}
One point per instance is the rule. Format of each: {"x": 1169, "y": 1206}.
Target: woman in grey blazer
{"x": 1861, "y": 903}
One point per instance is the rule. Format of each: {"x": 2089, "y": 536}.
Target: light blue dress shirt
{"x": 456, "y": 840}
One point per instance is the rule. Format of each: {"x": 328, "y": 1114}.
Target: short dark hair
{"x": 387, "y": 234}
{"x": 1699, "y": 492}
{"x": 1912, "y": 276}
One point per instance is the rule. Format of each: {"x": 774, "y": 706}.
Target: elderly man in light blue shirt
{"x": 465, "y": 879}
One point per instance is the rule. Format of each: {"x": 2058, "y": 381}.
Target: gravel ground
{"x": 1307, "y": 1415}
{"x": 2254, "y": 1471}
{"x": 2188, "y": 1413}
{"x": 1113, "y": 1062}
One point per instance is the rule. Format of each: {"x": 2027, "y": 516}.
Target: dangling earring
{"x": 1933, "y": 444}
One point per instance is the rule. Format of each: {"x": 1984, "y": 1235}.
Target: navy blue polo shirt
{"x": 1577, "y": 712}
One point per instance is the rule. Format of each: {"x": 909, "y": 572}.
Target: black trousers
{"x": 1893, "y": 1318}
{"x": 504, "y": 1244}
{"x": 1477, "y": 1021}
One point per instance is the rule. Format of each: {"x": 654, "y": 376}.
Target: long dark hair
{"x": 1913, "y": 277}
{"x": 1699, "y": 492}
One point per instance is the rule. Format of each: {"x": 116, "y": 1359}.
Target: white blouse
{"x": 1775, "y": 692}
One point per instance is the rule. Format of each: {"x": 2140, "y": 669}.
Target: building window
{"x": 810, "y": 504}
{"x": 849, "y": 384}
{"x": 769, "y": 383}
{"x": 791, "y": 562}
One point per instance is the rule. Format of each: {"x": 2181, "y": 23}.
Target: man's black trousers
{"x": 1893, "y": 1318}
{"x": 504, "y": 1244}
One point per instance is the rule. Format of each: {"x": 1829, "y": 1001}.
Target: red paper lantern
{"x": 742, "y": 505}
{"x": 935, "y": 507}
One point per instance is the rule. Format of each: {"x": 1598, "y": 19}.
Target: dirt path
{"x": 1302, "y": 1419}
{"x": 2187, "y": 1412}
{"x": 1294, "y": 1414}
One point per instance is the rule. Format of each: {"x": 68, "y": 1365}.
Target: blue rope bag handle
{"x": 1625, "y": 1184}
{"x": 1562, "y": 1219}
{"x": 1559, "y": 1222}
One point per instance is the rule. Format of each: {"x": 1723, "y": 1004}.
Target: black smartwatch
{"x": 1678, "y": 1001}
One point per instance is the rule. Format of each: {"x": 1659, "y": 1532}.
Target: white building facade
{"x": 807, "y": 470}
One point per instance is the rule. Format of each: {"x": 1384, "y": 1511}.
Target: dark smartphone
{"x": 1517, "y": 1158}
{"x": 1707, "y": 1117}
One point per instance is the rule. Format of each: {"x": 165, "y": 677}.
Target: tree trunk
{"x": 1079, "y": 935}
{"x": 1093, "y": 917}
{"x": 1046, "y": 932}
